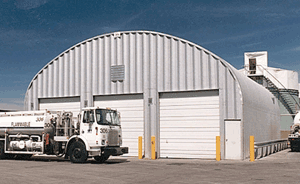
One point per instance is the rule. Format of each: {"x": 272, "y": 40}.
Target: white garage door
{"x": 132, "y": 117}
{"x": 189, "y": 124}
{"x": 66, "y": 104}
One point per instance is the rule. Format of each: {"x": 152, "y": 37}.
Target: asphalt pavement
{"x": 281, "y": 167}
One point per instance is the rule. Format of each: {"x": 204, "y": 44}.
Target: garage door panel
{"x": 192, "y": 100}
{"x": 180, "y": 155}
{"x": 129, "y": 107}
{"x": 131, "y": 114}
{"x": 189, "y": 126}
{"x": 132, "y": 129}
{"x": 190, "y": 135}
{"x": 117, "y": 102}
{"x": 131, "y": 134}
{"x": 198, "y": 130}
{"x": 187, "y": 146}
{"x": 189, "y": 112}
{"x": 187, "y": 154}
{"x": 183, "y": 103}
{"x": 198, "y": 118}
{"x": 131, "y": 124}
{"x": 192, "y": 123}
{"x": 132, "y": 118}
{"x": 131, "y": 143}
{"x": 66, "y": 104}
{"x": 61, "y": 106}
{"x": 130, "y": 137}
{"x": 189, "y": 107}
{"x": 196, "y": 140}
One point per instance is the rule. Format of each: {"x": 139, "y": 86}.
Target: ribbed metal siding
{"x": 149, "y": 58}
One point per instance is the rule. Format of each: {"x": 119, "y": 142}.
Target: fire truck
{"x": 95, "y": 133}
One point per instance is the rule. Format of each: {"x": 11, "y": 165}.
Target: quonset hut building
{"x": 164, "y": 86}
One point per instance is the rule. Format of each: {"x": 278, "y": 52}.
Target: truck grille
{"x": 113, "y": 138}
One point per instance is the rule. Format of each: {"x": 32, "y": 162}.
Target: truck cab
{"x": 100, "y": 132}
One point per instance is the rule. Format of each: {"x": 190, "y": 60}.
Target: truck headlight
{"x": 120, "y": 141}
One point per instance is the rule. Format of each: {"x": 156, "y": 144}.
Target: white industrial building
{"x": 282, "y": 83}
{"x": 164, "y": 86}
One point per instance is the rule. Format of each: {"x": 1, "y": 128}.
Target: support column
{"x": 147, "y": 124}
{"x": 151, "y": 117}
{"x": 151, "y": 97}
{"x": 154, "y": 110}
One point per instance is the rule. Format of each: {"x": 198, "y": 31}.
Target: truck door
{"x": 88, "y": 127}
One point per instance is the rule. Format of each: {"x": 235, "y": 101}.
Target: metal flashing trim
{"x": 232, "y": 120}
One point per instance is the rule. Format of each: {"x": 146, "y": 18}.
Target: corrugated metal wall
{"x": 151, "y": 59}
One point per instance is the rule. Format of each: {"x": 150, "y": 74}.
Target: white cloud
{"x": 120, "y": 25}
{"x": 296, "y": 49}
{"x": 251, "y": 44}
{"x": 12, "y": 104}
{"x": 29, "y": 4}
{"x": 244, "y": 36}
{"x": 238, "y": 37}
{"x": 28, "y": 38}
{"x": 264, "y": 10}
{"x": 4, "y": 106}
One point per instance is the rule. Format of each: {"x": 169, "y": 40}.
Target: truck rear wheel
{"x": 101, "y": 158}
{"x": 2, "y": 154}
{"x": 77, "y": 152}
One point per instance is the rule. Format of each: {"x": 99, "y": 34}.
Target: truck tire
{"x": 292, "y": 149}
{"x": 101, "y": 158}
{"x": 77, "y": 152}
{"x": 2, "y": 154}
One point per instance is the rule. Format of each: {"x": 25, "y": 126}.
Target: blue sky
{"x": 33, "y": 32}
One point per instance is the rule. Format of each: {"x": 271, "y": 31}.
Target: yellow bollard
{"x": 252, "y": 156}
{"x": 153, "y": 157}
{"x": 140, "y": 147}
{"x": 218, "y": 148}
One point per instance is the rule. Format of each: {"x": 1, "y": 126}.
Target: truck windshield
{"x": 107, "y": 117}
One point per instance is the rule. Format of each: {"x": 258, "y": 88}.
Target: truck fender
{"x": 77, "y": 138}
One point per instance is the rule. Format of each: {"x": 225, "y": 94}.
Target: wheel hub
{"x": 77, "y": 152}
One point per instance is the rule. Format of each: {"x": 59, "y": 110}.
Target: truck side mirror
{"x": 86, "y": 117}
{"x": 119, "y": 115}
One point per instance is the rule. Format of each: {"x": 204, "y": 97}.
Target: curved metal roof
{"x": 124, "y": 32}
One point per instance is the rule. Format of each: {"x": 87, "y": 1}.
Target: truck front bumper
{"x": 114, "y": 151}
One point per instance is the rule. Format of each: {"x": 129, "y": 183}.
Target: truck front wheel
{"x": 77, "y": 152}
